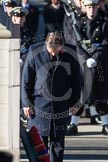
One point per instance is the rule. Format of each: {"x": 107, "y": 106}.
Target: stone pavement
{"x": 89, "y": 146}
{"x": 85, "y": 129}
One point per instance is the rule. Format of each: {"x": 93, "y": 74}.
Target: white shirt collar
{"x": 56, "y": 6}
{"x": 25, "y": 5}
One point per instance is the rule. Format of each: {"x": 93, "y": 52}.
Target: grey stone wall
{"x": 9, "y": 86}
{"x": 9, "y": 95}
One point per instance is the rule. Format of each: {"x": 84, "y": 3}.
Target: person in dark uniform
{"x": 50, "y": 74}
{"x": 54, "y": 16}
{"x": 28, "y": 32}
{"x": 67, "y": 25}
{"x": 28, "y": 27}
{"x": 18, "y": 15}
{"x": 97, "y": 34}
{"x": 80, "y": 18}
{"x": 70, "y": 39}
{"x": 32, "y": 17}
{"x": 8, "y": 5}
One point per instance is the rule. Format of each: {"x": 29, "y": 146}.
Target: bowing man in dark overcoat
{"x": 51, "y": 85}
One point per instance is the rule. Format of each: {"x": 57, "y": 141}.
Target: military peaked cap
{"x": 10, "y": 3}
{"x": 18, "y": 11}
{"x": 90, "y": 2}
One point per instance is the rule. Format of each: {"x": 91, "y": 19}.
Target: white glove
{"x": 21, "y": 62}
{"x": 91, "y": 63}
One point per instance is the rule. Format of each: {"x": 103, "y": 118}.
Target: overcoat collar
{"x": 46, "y": 54}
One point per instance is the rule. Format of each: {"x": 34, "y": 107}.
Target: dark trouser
{"x": 99, "y": 96}
{"x": 56, "y": 144}
{"x": 102, "y": 107}
{"x": 56, "y": 148}
{"x": 87, "y": 78}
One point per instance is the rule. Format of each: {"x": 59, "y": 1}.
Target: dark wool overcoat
{"x": 51, "y": 87}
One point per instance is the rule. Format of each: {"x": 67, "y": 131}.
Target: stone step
{"x": 89, "y": 146}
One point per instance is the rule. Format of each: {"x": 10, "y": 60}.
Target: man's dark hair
{"x": 55, "y": 39}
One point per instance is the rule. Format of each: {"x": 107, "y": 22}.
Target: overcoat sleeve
{"x": 28, "y": 80}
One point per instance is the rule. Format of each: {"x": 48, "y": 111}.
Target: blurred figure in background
{"x": 97, "y": 33}
{"x": 103, "y": 6}
{"x": 28, "y": 32}
{"x": 18, "y": 15}
{"x": 77, "y": 8}
{"x": 32, "y": 17}
{"x": 54, "y": 16}
{"x": 8, "y": 5}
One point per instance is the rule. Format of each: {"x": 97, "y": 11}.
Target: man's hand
{"x": 73, "y": 110}
{"x": 27, "y": 111}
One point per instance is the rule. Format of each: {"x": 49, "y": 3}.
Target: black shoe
{"x": 96, "y": 120}
{"x": 105, "y": 130}
{"x": 72, "y": 130}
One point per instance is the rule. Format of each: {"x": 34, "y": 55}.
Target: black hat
{"x": 10, "y": 3}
